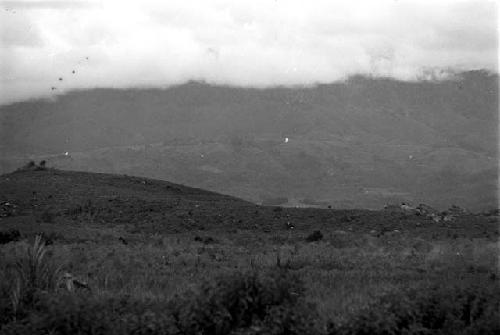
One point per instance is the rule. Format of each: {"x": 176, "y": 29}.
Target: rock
{"x": 423, "y": 209}
{"x": 71, "y": 283}
{"x": 407, "y": 209}
{"x": 7, "y": 209}
{"x": 435, "y": 217}
{"x": 448, "y": 218}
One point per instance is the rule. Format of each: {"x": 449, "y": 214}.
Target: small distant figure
{"x": 286, "y": 139}
{"x": 60, "y": 79}
{"x": 290, "y": 225}
{"x": 42, "y": 164}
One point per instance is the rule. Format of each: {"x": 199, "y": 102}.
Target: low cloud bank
{"x": 49, "y": 47}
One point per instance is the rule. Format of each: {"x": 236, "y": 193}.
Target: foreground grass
{"x": 345, "y": 283}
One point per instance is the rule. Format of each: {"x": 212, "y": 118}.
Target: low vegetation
{"x": 183, "y": 285}
{"x": 318, "y": 272}
{"x": 439, "y": 309}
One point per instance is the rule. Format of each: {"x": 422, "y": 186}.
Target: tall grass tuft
{"x": 34, "y": 273}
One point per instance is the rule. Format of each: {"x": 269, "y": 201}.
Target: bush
{"x": 31, "y": 166}
{"x": 66, "y": 313}
{"x": 435, "y": 310}
{"x": 9, "y": 236}
{"x": 314, "y": 236}
{"x": 239, "y": 303}
{"x": 205, "y": 240}
{"x": 42, "y": 165}
{"x": 246, "y": 303}
{"x": 33, "y": 274}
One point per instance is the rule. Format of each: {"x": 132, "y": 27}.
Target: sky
{"x": 49, "y": 47}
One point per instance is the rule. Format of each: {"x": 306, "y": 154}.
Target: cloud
{"x": 39, "y": 4}
{"x": 111, "y": 43}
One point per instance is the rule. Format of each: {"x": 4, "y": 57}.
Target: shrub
{"x": 314, "y": 236}
{"x": 62, "y": 314}
{"x": 240, "y": 303}
{"x": 27, "y": 167}
{"x": 9, "y": 236}
{"x": 71, "y": 314}
{"x": 205, "y": 240}
{"x": 34, "y": 273}
{"x": 435, "y": 310}
{"x": 30, "y": 165}
{"x": 243, "y": 303}
{"x": 41, "y": 166}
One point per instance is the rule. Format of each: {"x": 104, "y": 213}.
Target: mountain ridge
{"x": 346, "y": 140}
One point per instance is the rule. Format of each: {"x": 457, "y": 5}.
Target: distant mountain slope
{"x": 360, "y": 143}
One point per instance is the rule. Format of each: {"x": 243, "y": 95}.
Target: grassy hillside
{"x": 153, "y": 257}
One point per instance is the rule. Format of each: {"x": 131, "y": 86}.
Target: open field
{"x": 161, "y": 258}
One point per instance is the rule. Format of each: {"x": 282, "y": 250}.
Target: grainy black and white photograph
{"x": 250, "y": 167}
